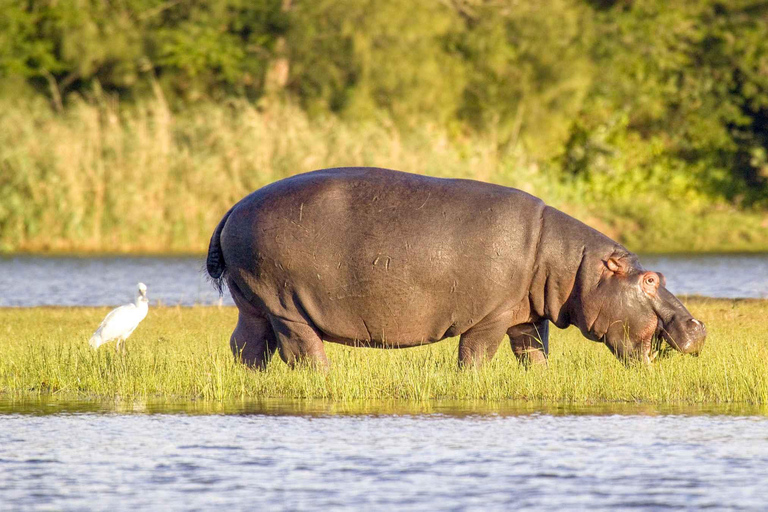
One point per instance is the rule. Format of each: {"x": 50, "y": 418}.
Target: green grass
{"x": 106, "y": 177}
{"x": 183, "y": 353}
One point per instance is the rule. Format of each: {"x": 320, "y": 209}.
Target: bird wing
{"x": 119, "y": 322}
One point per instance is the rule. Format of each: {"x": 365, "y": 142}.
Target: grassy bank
{"x": 101, "y": 177}
{"x": 184, "y": 353}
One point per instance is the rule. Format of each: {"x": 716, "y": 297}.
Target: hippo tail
{"x": 214, "y": 263}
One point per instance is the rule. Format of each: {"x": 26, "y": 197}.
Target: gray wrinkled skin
{"x": 381, "y": 258}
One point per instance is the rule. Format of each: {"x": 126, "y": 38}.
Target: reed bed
{"x": 103, "y": 176}
{"x": 183, "y": 353}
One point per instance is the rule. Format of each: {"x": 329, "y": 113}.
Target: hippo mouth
{"x": 678, "y": 342}
{"x": 684, "y": 335}
{"x": 645, "y": 351}
{"x": 663, "y": 334}
{"x": 676, "y": 326}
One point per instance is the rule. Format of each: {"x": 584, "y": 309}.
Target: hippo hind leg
{"x": 299, "y": 342}
{"x": 530, "y": 342}
{"x": 253, "y": 341}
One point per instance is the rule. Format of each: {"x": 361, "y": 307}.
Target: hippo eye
{"x": 650, "y": 280}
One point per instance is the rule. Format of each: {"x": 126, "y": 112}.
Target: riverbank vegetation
{"x": 101, "y": 179}
{"x": 133, "y": 126}
{"x": 183, "y": 354}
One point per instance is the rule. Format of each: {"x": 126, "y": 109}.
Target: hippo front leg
{"x": 530, "y": 342}
{"x": 480, "y": 343}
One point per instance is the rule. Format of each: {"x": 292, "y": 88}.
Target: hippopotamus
{"x": 381, "y": 258}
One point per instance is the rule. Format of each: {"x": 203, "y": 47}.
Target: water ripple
{"x": 539, "y": 461}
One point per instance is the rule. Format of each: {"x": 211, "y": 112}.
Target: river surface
{"x": 100, "y": 281}
{"x": 267, "y": 457}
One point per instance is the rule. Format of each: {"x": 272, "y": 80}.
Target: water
{"x": 289, "y": 458}
{"x": 713, "y": 275}
{"x": 97, "y": 281}
{"x": 103, "y": 281}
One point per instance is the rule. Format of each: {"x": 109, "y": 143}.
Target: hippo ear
{"x": 617, "y": 265}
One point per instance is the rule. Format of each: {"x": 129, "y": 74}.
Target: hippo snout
{"x": 687, "y": 336}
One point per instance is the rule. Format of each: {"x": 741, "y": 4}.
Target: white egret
{"x": 120, "y": 322}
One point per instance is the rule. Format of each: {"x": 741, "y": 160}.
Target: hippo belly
{"x": 381, "y": 257}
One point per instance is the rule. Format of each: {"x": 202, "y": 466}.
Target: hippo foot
{"x": 530, "y": 342}
{"x": 532, "y": 357}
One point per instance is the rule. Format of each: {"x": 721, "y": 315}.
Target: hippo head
{"x": 629, "y": 306}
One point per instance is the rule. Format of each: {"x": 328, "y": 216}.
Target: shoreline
{"x": 55, "y": 404}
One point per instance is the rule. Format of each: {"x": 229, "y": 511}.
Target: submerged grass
{"x": 183, "y": 353}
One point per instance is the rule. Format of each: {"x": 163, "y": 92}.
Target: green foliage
{"x": 22, "y": 51}
{"x": 215, "y": 47}
{"x": 528, "y": 70}
{"x": 359, "y": 57}
{"x": 515, "y": 71}
{"x": 682, "y": 97}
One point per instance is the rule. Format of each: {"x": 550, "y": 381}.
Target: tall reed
{"x": 105, "y": 177}
{"x": 100, "y": 177}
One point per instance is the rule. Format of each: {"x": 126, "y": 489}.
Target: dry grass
{"x": 103, "y": 177}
